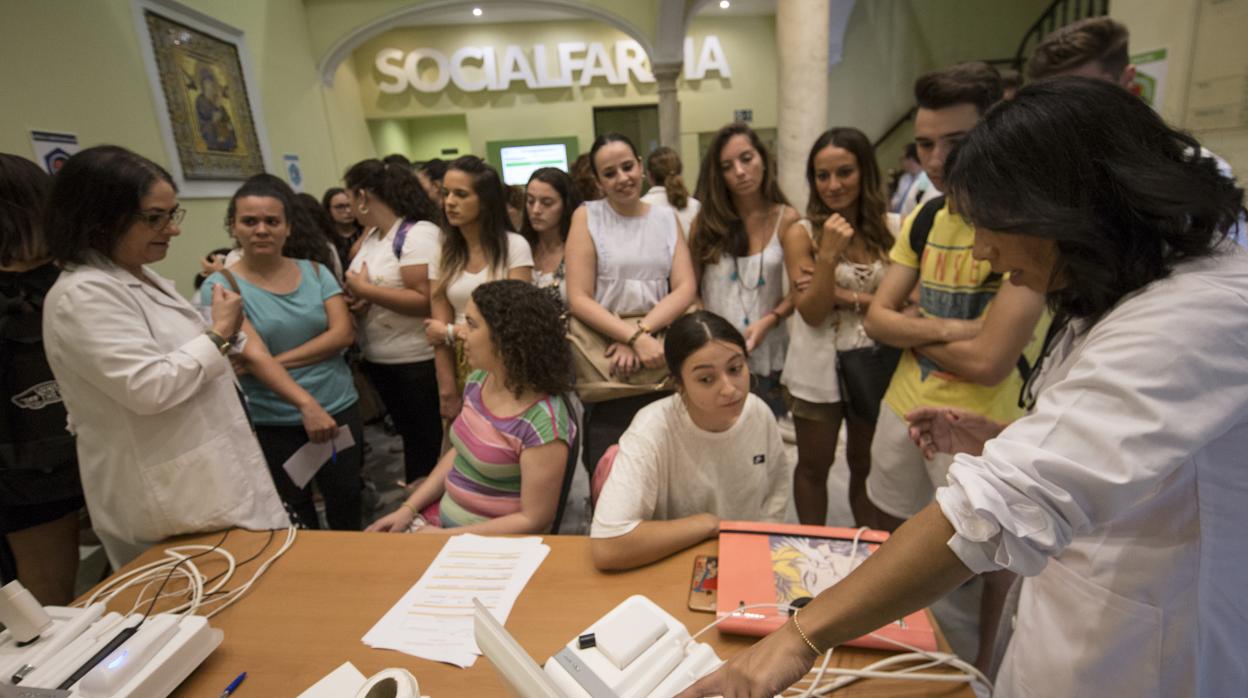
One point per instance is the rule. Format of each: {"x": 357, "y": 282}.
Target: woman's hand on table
{"x": 396, "y": 521}
{"x": 764, "y": 670}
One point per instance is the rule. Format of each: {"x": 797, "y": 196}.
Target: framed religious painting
{"x": 205, "y": 95}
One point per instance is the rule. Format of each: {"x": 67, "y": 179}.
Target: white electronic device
{"x": 151, "y": 663}
{"x": 649, "y": 655}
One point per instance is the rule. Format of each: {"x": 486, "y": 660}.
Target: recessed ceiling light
{"x": 724, "y": 4}
{"x": 476, "y": 11}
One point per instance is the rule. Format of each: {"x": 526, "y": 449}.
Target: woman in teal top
{"x": 298, "y": 386}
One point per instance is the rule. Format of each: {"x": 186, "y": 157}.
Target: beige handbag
{"x": 594, "y": 380}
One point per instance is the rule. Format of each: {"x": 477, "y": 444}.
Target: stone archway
{"x": 345, "y": 45}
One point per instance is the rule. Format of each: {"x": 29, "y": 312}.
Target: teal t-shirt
{"x": 285, "y": 321}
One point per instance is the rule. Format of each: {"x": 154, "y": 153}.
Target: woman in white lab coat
{"x": 1121, "y": 495}
{"x": 164, "y": 446}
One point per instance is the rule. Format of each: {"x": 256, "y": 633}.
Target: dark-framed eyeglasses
{"x": 159, "y": 220}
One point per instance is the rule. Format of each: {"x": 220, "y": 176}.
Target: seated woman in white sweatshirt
{"x": 710, "y": 451}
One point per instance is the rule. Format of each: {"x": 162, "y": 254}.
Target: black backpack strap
{"x": 922, "y": 225}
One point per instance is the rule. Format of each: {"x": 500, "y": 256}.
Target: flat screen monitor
{"x": 520, "y": 161}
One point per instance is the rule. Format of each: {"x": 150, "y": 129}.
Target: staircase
{"x": 1058, "y": 14}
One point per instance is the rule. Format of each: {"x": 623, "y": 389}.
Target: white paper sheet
{"x": 433, "y": 620}
{"x": 304, "y": 463}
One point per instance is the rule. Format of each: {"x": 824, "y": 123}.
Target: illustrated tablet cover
{"x": 779, "y": 563}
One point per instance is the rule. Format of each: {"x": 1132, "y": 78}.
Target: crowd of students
{"x": 1040, "y": 364}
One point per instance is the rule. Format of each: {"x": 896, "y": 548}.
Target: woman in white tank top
{"x": 737, "y": 253}
{"x": 624, "y": 257}
{"x": 838, "y": 255}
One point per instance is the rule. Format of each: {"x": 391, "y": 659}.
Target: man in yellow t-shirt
{"x": 963, "y": 344}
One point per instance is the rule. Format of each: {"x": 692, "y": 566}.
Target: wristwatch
{"x": 223, "y": 345}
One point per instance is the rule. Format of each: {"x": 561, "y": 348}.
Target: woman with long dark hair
{"x": 476, "y": 248}
{"x": 550, "y": 199}
{"x": 388, "y": 286}
{"x": 40, "y": 490}
{"x": 845, "y": 238}
{"x": 737, "y": 252}
{"x": 625, "y": 259}
{"x": 1120, "y": 495}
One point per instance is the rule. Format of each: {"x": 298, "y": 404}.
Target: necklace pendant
{"x": 734, "y": 276}
{"x": 762, "y": 281}
{"x": 745, "y": 321}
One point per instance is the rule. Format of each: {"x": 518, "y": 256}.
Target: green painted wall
{"x": 83, "y": 73}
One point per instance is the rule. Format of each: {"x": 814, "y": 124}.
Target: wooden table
{"x": 306, "y": 615}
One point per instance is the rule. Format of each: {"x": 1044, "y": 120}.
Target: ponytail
{"x": 664, "y": 165}
{"x": 395, "y": 185}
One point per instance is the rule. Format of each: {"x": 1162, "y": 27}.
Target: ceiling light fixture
{"x": 476, "y": 11}
{"x": 724, "y": 4}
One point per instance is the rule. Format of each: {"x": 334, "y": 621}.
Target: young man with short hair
{"x": 1096, "y": 47}
{"x": 964, "y": 340}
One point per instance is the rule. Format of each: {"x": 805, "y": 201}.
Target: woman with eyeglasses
{"x": 164, "y": 444}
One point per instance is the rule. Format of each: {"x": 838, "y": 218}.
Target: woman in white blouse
{"x": 844, "y": 239}
{"x": 737, "y": 252}
{"x": 624, "y": 258}
{"x": 476, "y": 248}
{"x": 550, "y": 199}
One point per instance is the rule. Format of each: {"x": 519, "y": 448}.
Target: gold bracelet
{"x": 409, "y": 507}
{"x": 805, "y": 639}
{"x": 641, "y": 329}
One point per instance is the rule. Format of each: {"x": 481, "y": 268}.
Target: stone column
{"x": 802, "y": 48}
{"x": 666, "y": 74}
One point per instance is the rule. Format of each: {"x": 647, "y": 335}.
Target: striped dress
{"x": 484, "y": 482}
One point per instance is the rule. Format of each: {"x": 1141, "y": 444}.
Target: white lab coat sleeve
{"x": 101, "y": 333}
{"x": 1157, "y": 379}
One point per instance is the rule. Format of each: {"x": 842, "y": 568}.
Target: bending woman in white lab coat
{"x": 1120, "y": 496}
{"x": 164, "y": 446}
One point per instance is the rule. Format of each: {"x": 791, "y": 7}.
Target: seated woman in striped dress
{"x": 509, "y": 451}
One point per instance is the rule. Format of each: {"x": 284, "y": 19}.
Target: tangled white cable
{"x": 178, "y": 563}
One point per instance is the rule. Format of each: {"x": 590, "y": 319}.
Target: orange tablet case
{"x": 776, "y": 563}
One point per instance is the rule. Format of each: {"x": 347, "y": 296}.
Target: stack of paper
{"x": 433, "y": 620}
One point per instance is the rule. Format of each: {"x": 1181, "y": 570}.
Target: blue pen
{"x": 333, "y": 456}
{"x": 233, "y": 685}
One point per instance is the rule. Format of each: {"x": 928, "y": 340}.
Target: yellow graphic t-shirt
{"x": 952, "y": 284}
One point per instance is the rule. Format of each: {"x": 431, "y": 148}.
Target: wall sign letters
{"x": 477, "y": 68}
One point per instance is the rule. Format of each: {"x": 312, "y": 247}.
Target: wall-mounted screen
{"x": 516, "y": 160}
{"x": 520, "y": 161}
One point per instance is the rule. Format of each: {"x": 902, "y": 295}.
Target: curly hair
{"x": 529, "y": 330}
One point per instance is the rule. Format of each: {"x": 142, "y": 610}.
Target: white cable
{"x": 177, "y": 564}
{"x": 966, "y": 672}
